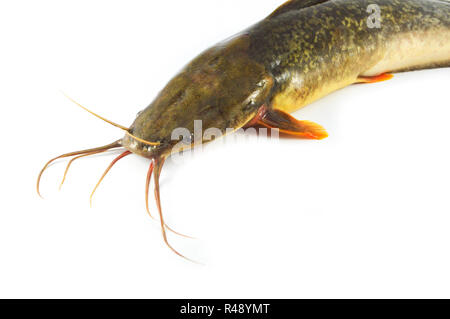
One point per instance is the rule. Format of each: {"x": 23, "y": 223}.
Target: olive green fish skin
{"x": 313, "y": 36}
{"x": 332, "y": 39}
{"x": 304, "y": 50}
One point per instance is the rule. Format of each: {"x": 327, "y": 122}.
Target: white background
{"x": 364, "y": 213}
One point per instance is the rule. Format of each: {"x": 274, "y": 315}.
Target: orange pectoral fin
{"x": 375, "y": 79}
{"x": 290, "y": 126}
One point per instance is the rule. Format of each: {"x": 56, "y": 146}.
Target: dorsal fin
{"x": 292, "y": 5}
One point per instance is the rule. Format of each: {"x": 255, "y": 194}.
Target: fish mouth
{"x": 133, "y": 145}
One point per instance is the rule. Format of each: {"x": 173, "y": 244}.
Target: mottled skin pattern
{"x": 330, "y": 44}
{"x": 303, "y": 51}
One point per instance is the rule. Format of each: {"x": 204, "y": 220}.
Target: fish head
{"x": 219, "y": 91}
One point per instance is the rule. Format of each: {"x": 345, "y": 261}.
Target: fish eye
{"x": 261, "y": 83}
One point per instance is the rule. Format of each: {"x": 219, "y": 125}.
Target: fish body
{"x": 326, "y": 46}
{"x": 303, "y": 51}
